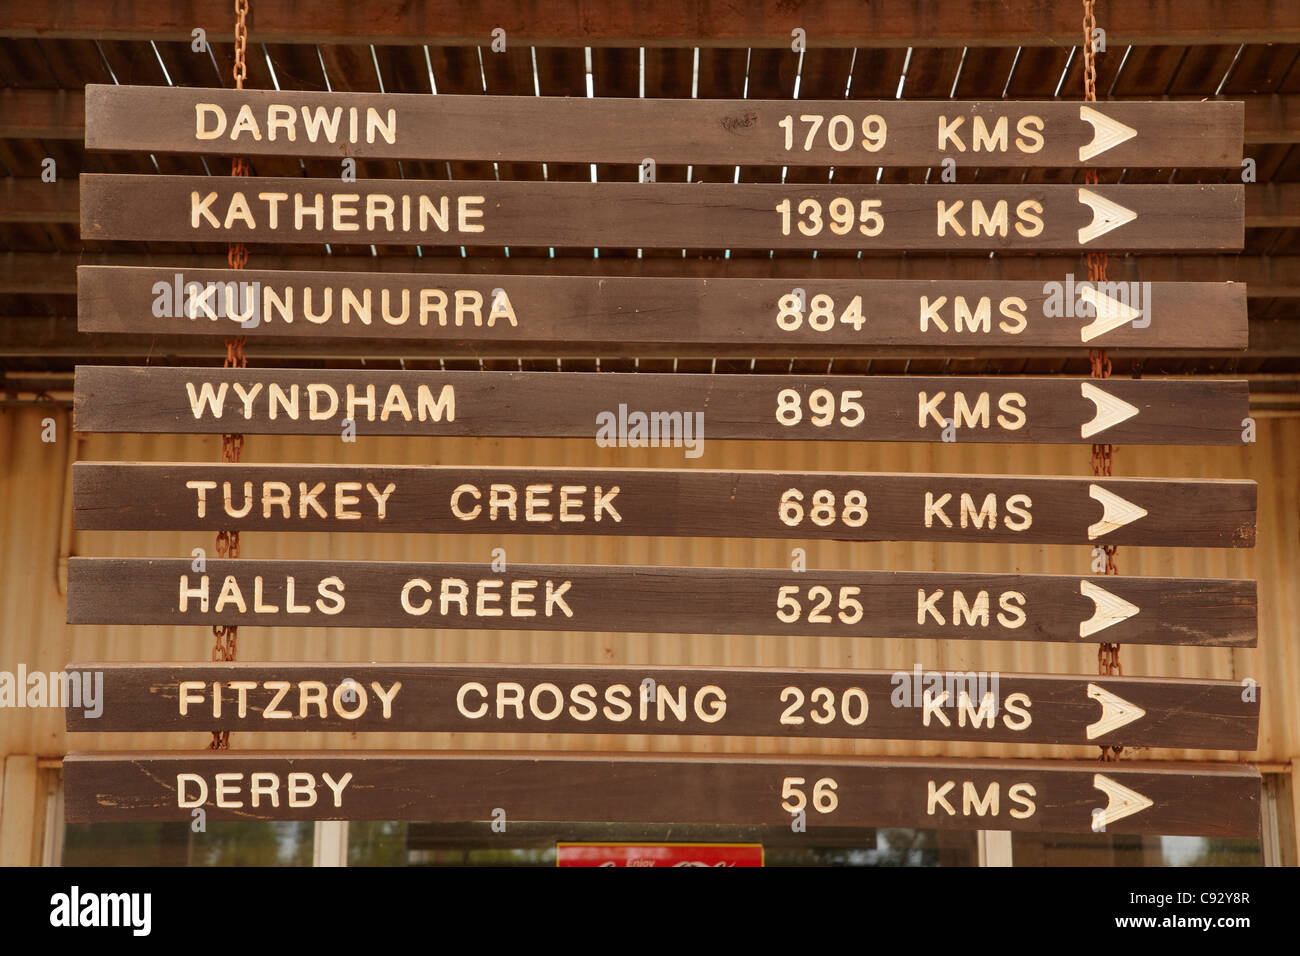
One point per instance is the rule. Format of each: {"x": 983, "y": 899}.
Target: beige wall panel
{"x": 33, "y": 499}
{"x": 18, "y": 817}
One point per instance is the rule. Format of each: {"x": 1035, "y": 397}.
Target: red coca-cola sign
{"x": 659, "y": 854}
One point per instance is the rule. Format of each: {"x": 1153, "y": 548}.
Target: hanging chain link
{"x": 1089, "y": 57}
{"x": 1103, "y": 456}
{"x": 226, "y": 638}
{"x": 241, "y": 43}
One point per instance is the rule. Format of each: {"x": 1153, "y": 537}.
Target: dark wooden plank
{"x": 1272, "y": 119}
{"x": 1052, "y": 796}
{"x": 691, "y": 503}
{"x": 1273, "y": 206}
{"x": 1019, "y": 607}
{"x": 753, "y": 702}
{"x": 672, "y": 215}
{"x": 61, "y": 114}
{"x": 670, "y": 131}
{"x": 34, "y": 201}
{"x": 654, "y": 410}
{"x": 43, "y": 114}
{"x": 533, "y": 309}
{"x": 29, "y": 199}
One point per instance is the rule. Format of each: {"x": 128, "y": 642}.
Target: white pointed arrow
{"x": 1110, "y": 313}
{"x": 1107, "y": 133}
{"x": 1115, "y": 712}
{"x": 1110, "y": 410}
{"x": 1108, "y": 609}
{"x": 1121, "y": 802}
{"x": 1115, "y": 512}
{"x": 1106, "y": 215}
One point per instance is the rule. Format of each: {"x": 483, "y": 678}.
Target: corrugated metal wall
{"x": 34, "y": 505}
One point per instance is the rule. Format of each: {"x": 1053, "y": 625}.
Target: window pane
{"x": 234, "y": 843}
{"x": 1102, "y": 849}
{"x": 377, "y": 844}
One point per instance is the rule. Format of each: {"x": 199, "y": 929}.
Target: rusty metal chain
{"x": 226, "y": 638}
{"x": 1103, "y": 456}
{"x": 1089, "y": 57}
{"x": 241, "y": 43}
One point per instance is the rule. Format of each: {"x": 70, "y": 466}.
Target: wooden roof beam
{"x": 33, "y": 200}
{"x": 1272, "y": 118}
{"x": 42, "y": 114}
{"x": 616, "y": 23}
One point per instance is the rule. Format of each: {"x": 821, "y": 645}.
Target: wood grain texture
{"x": 956, "y": 606}
{"x": 657, "y": 215}
{"x": 684, "y": 131}
{"x": 622, "y": 312}
{"x": 1057, "y": 797}
{"x": 61, "y": 114}
{"x": 749, "y": 702}
{"x": 29, "y": 199}
{"x": 684, "y": 410}
{"x": 689, "y": 503}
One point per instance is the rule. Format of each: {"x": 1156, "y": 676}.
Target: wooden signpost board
{"x": 662, "y": 215}
{"x": 1050, "y": 796}
{"x": 955, "y": 606}
{"x": 660, "y": 409}
{"x": 780, "y": 315}
{"x": 749, "y": 702}
{"x": 690, "y": 503}
{"x": 842, "y": 133}
{"x": 829, "y": 315}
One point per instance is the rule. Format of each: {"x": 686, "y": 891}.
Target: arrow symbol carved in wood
{"x": 1106, "y": 215}
{"x": 1110, "y": 313}
{"x": 1121, "y": 802}
{"x": 1115, "y": 712}
{"x": 1110, "y": 410}
{"x": 1115, "y": 512}
{"x": 1108, "y": 609}
{"x": 1107, "y": 133}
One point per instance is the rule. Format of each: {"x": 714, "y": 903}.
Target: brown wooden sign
{"x": 956, "y": 606}
{"x": 913, "y": 704}
{"x": 841, "y": 133}
{"x": 691, "y": 503}
{"x": 1051, "y": 796}
{"x": 661, "y": 215}
{"x": 659, "y": 410}
{"x": 530, "y": 310}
